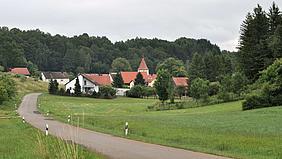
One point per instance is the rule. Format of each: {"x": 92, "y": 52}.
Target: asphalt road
{"x": 110, "y": 146}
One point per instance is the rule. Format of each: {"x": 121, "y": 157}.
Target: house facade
{"x": 60, "y": 77}
{"x": 89, "y": 82}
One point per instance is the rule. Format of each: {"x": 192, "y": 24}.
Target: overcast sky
{"x": 216, "y": 20}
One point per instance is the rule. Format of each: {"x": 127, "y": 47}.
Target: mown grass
{"x": 21, "y": 141}
{"x": 221, "y": 129}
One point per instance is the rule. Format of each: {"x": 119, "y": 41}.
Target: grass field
{"x": 221, "y": 129}
{"x": 21, "y": 141}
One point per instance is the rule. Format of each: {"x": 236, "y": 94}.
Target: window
{"x": 85, "y": 82}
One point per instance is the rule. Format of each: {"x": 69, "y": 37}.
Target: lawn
{"x": 221, "y": 129}
{"x": 20, "y": 141}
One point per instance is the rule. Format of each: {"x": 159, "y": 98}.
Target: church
{"x": 129, "y": 77}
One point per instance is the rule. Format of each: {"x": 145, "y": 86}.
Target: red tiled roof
{"x": 143, "y": 65}
{"x": 20, "y": 71}
{"x": 100, "y": 79}
{"x": 180, "y": 81}
{"x": 151, "y": 78}
{"x": 130, "y": 76}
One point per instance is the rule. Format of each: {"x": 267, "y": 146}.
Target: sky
{"x": 216, "y": 20}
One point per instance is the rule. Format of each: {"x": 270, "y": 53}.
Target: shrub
{"x": 199, "y": 89}
{"x": 255, "y": 101}
{"x": 135, "y": 92}
{"x": 62, "y": 92}
{"x": 2, "y": 69}
{"x": 7, "y": 88}
{"x": 213, "y": 88}
{"x": 107, "y": 92}
{"x": 269, "y": 86}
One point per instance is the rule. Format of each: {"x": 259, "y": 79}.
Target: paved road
{"x": 111, "y": 146}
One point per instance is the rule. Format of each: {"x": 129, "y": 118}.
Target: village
{"x": 90, "y": 82}
{"x": 123, "y": 79}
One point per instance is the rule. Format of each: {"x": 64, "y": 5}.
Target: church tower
{"x": 143, "y": 66}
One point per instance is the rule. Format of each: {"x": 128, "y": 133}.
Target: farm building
{"x": 60, "y": 77}
{"x": 20, "y": 71}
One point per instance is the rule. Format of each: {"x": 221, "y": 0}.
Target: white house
{"x": 89, "y": 82}
{"x": 60, "y": 77}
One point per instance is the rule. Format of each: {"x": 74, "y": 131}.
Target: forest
{"x": 86, "y": 53}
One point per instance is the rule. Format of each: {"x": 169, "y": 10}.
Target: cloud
{"x": 217, "y": 20}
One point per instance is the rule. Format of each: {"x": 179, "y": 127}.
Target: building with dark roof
{"x": 60, "y": 77}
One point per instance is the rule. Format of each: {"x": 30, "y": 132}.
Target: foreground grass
{"x": 221, "y": 129}
{"x": 20, "y": 141}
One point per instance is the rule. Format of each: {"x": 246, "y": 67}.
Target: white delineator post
{"x": 23, "y": 120}
{"x": 69, "y": 118}
{"x": 46, "y": 130}
{"x": 126, "y": 128}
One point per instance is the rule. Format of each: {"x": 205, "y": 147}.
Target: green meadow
{"x": 222, "y": 129}
{"x": 22, "y": 141}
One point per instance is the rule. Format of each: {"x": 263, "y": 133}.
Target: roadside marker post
{"x": 126, "y": 128}
{"x": 46, "y": 130}
{"x": 69, "y": 118}
{"x": 23, "y": 120}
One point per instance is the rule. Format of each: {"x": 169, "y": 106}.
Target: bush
{"x": 228, "y": 96}
{"x": 7, "y": 88}
{"x": 269, "y": 86}
{"x": 135, "y": 92}
{"x": 2, "y": 69}
{"x": 213, "y": 88}
{"x": 106, "y": 92}
{"x": 62, "y": 92}
{"x": 199, "y": 89}
{"x": 255, "y": 101}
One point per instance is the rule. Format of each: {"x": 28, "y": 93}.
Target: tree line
{"x": 85, "y": 53}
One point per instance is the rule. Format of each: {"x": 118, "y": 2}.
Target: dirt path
{"x": 113, "y": 147}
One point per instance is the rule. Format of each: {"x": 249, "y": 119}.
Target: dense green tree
{"x": 136, "y": 91}
{"x": 197, "y": 67}
{"x": 53, "y": 87}
{"x": 162, "y": 84}
{"x": 107, "y": 92}
{"x": 33, "y": 69}
{"x": 139, "y": 80}
{"x": 77, "y": 88}
{"x": 175, "y": 67}
{"x": 7, "y": 88}
{"x": 275, "y": 18}
{"x": 180, "y": 91}
{"x": 199, "y": 89}
{"x": 275, "y": 42}
{"x": 121, "y": 64}
{"x": 254, "y": 55}
{"x": 118, "y": 81}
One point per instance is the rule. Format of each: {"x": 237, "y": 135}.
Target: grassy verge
{"x": 18, "y": 140}
{"x": 221, "y": 129}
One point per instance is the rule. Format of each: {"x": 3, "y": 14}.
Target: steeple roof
{"x": 143, "y": 65}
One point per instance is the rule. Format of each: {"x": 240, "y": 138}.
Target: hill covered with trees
{"x": 86, "y": 53}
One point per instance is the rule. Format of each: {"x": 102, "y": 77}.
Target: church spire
{"x": 143, "y": 66}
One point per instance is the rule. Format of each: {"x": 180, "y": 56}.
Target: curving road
{"x": 111, "y": 146}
